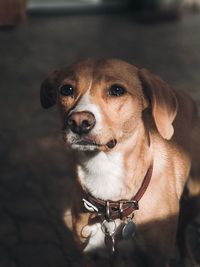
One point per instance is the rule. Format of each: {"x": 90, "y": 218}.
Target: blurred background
{"x": 36, "y": 172}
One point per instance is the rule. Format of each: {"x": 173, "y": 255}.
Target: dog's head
{"x": 102, "y": 102}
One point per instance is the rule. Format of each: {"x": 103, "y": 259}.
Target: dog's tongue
{"x": 112, "y": 143}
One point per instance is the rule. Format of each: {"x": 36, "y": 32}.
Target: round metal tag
{"x": 128, "y": 230}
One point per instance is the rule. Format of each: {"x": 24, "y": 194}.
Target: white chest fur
{"x": 96, "y": 237}
{"x": 102, "y": 175}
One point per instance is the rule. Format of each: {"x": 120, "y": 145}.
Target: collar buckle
{"x": 107, "y": 211}
{"x": 126, "y": 204}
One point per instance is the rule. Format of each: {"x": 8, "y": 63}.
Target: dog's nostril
{"x": 70, "y": 122}
{"x": 85, "y": 124}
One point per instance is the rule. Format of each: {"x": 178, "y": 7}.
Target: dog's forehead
{"x": 102, "y": 70}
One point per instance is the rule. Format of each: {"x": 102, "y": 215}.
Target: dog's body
{"x": 122, "y": 120}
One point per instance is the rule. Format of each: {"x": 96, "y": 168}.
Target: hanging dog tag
{"x": 109, "y": 228}
{"x": 128, "y": 230}
{"x": 110, "y": 243}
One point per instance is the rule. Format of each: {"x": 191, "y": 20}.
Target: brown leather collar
{"x": 120, "y": 209}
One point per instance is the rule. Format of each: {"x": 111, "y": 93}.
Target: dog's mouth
{"x": 85, "y": 145}
{"x": 91, "y": 145}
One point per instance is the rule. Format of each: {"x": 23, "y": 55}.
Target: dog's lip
{"x": 87, "y": 143}
{"x": 112, "y": 143}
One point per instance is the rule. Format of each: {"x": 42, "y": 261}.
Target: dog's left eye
{"x": 67, "y": 90}
{"x": 117, "y": 90}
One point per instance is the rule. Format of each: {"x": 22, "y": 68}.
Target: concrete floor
{"x": 36, "y": 175}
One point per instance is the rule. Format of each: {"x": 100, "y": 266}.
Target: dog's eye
{"x": 67, "y": 90}
{"x": 117, "y": 90}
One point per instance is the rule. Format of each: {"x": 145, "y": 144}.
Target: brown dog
{"x": 137, "y": 143}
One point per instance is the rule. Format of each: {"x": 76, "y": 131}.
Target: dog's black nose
{"x": 81, "y": 122}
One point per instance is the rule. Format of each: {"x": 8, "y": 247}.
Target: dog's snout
{"x": 81, "y": 122}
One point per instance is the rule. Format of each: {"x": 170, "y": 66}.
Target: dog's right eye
{"x": 67, "y": 90}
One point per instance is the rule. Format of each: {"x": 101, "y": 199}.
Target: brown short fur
{"x": 165, "y": 117}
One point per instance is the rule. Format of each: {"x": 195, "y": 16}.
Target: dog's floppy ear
{"x": 48, "y": 93}
{"x": 163, "y": 102}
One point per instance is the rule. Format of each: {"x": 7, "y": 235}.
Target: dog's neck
{"x": 118, "y": 173}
